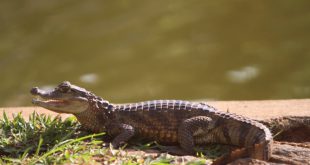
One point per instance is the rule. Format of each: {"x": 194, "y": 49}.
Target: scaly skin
{"x": 286, "y": 123}
{"x": 166, "y": 121}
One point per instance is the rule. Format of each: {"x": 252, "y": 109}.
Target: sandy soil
{"x": 288, "y": 151}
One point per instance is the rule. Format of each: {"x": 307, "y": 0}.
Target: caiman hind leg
{"x": 121, "y": 133}
{"x": 192, "y": 127}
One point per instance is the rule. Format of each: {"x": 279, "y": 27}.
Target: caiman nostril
{"x": 34, "y": 90}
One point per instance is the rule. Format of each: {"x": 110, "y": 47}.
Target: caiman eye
{"x": 64, "y": 87}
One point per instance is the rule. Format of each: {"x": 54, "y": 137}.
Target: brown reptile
{"x": 165, "y": 121}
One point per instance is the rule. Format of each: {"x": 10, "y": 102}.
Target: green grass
{"x": 45, "y": 140}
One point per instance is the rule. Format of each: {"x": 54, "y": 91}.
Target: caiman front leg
{"x": 121, "y": 133}
{"x": 191, "y": 128}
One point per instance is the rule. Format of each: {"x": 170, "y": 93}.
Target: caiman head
{"x": 65, "y": 98}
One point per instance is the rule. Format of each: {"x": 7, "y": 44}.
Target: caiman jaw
{"x": 50, "y": 104}
{"x": 59, "y": 102}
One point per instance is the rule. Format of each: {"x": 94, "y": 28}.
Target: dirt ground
{"x": 291, "y": 146}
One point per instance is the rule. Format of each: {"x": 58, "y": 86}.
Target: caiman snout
{"x": 38, "y": 92}
{"x": 34, "y": 91}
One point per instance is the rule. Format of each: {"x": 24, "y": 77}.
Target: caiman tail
{"x": 261, "y": 151}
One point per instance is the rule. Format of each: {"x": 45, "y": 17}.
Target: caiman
{"x": 165, "y": 121}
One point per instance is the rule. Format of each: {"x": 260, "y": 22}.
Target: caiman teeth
{"x": 38, "y": 99}
{"x": 54, "y": 101}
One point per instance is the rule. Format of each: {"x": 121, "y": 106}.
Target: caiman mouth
{"x": 44, "y": 97}
{"x": 52, "y": 104}
{"x": 49, "y": 101}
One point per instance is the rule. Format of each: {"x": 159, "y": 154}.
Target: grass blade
{"x": 5, "y": 118}
{"x": 25, "y": 154}
{"x": 61, "y": 147}
{"x": 39, "y": 146}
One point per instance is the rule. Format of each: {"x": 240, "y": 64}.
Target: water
{"x": 130, "y": 51}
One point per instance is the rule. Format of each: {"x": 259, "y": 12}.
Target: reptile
{"x": 185, "y": 123}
